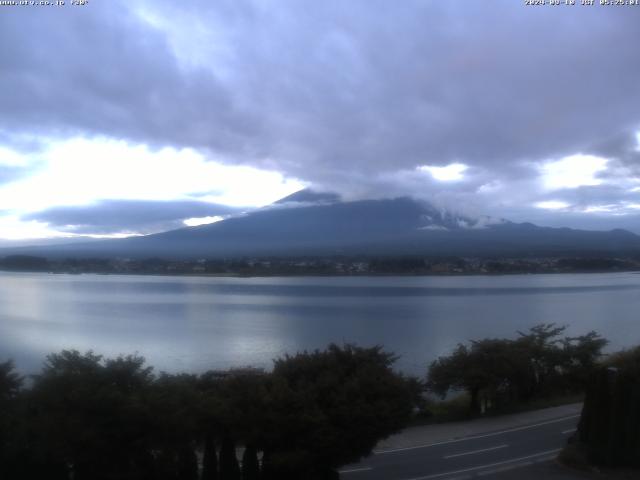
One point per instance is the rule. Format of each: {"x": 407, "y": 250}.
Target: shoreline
{"x": 326, "y": 275}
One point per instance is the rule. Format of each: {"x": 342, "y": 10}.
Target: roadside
{"x": 430, "y": 434}
{"x": 478, "y": 448}
{"x": 522, "y": 445}
{"x": 555, "y": 471}
{"x": 456, "y": 409}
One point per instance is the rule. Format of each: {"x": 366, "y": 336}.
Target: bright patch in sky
{"x": 196, "y": 221}
{"x": 12, "y": 228}
{"x": 601, "y": 208}
{"x": 448, "y": 173}
{"x": 491, "y": 187}
{"x": 552, "y": 205}
{"x": 82, "y": 172}
{"x": 572, "y": 172}
{"x": 9, "y": 158}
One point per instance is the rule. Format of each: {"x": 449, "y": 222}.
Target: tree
{"x": 187, "y": 463}
{"x": 173, "y": 402}
{"x": 329, "y": 408}
{"x": 582, "y": 354}
{"x": 250, "y": 465}
{"x": 233, "y": 406}
{"x": 546, "y": 357}
{"x": 229, "y": 468}
{"x": 88, "y": 417}
{"x": 209, "y": 459}
{"x": 609, "y": 428}
{"x": 90, "y": 414}
{"x": 10, "y": 444}
{"x": 10, "y": 381}
{"x": 488, "y": 371}
{"x": 495, "y": 372}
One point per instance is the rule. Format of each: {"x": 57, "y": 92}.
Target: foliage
{"x": 609, "y": 428}
{"x": 333, "y": 406}
{"x": 10, "y": 381}
{"x": 499, "y": 372}
{"x": 250, "y": 464}
{"x": 90, "y": 417}
{"x": 91, "y": 413}
{"x": 10, "y": 385}
{"x": 229, "y": 467}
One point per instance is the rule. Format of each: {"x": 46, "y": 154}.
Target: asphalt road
{"x": 479, "y": 455}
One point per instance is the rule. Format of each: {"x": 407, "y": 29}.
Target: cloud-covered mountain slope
{"x": 319, "y": 224}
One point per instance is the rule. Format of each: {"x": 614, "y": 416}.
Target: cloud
{"x": 80, "y": 171}
{"x": 552, "y": 205}
{"x": 573, "y": 171}
{"x": 8, "y": 174}
{"x": 12, "y": 165}
{"x": 448, "y": 173}
{"x": 461, "y": 82}
{"x": 197, "y": 221}
{"x": 347, "y": 96}
{"x": 119, "y": 216}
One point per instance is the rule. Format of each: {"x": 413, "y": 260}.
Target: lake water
{"x": 197, "y": 323}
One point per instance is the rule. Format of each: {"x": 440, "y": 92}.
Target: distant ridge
{"x": 310, "y": 196}
{"x": 319, "y": 224}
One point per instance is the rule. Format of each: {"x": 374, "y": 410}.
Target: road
{"x": 479, "y": 455}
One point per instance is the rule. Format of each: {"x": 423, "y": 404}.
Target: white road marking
{"x": 354, "y": 470}
{"x": 474, "y": 437}
{"x": 476, "y": 451}
{"x": 571, "y": 430}
{"x": 481, "y": 467}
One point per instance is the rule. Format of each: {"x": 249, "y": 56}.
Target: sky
{"x": 126, "y": 118}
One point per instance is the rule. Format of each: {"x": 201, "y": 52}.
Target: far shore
{"x": 323, "y": 275}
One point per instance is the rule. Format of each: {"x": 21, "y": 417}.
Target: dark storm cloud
{"x": 347, "y": 95}
{"x": 117, "y": 216}
{"x": 98, "y": 70}
{"x": 623, "y": 148}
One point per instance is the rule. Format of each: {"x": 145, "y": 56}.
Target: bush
{"x": 498, "y": 373}
{"x": 87, "y": 417}
{"x": 609, "y": 428}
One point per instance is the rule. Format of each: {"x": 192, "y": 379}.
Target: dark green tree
{"x": 209, "y": 459}
{"x": 609, "y": 428}
{"x": 495, "y": 372}
{"x": 10, "y": 381}
{"x": 250, "y": 464}
{"x": 229, "y": 468}
{"x": 174, "y": 404}
{"x": 10, "y": 428}
{"x": 582, "y": 354}
{"x": 235, "y": 402}
{"x": 488, "y": 370}
{"x": 330, "y": 408}
{"x": 543, "y": 347}
{"x": 90, "y": 414}
{"x": 187, "y": 463}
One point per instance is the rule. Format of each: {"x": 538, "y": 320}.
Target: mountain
{"x": 309, "y": 223}
{"x": 309, "y": 196}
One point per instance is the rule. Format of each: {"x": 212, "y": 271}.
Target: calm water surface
{"x": 197, "y": 323}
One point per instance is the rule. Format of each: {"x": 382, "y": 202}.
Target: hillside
{"x": 321, "y": 225}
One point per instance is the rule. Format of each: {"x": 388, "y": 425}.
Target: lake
{"x": 198, "y": 323}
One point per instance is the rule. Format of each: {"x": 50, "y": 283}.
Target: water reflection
{"x": 188, "y": 323}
